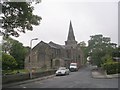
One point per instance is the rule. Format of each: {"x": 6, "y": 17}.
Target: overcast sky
{"x": 88, "y": 18}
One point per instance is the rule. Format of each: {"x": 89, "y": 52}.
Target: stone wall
{"x": 45, "y": 55}
{"x": 22, "y": 77}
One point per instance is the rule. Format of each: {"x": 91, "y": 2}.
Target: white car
{"x": 62, "y": 71}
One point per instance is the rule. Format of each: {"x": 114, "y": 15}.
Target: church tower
{"x": 71, "y": 38}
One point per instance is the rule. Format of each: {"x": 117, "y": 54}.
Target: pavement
{"x": 103, "y": 75}
{"x": 27, "y": 81}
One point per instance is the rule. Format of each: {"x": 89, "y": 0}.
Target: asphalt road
{"x": 79, "y": 79}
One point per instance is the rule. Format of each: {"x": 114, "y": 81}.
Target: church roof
{"x": 54, "y": 45}
{"x": 40, "y": 43}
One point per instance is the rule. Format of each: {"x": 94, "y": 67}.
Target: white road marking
{"x": 22, "y": 86}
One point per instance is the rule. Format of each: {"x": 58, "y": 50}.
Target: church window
{"x": 68, "y": 53}
{"x": 57, "y": 63}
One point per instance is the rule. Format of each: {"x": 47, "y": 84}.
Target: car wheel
{"x": 65, "y": 73}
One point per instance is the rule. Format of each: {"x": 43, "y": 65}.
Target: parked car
{"x": 62, "y": 71}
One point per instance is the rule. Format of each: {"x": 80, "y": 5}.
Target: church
{"x": 52, "y": 56}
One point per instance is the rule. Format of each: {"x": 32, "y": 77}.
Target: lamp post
{"x": 31, "y": 56}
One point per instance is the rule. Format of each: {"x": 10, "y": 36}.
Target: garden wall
{"x": 22, "y": 77}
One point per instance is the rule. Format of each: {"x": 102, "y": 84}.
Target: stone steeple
{"x": 71, "y": 38}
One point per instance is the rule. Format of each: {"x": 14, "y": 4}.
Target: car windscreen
{"x": 72, "y": 64}
{"x": 62, "y": 68}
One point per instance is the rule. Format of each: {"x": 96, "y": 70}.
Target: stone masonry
{"x": 52, "y": 55}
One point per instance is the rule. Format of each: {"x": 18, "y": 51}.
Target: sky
{"x": 88, "y": 17}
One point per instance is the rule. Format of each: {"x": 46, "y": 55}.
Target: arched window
{"x": 57, "y": 63}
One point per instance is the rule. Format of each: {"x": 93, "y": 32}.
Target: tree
{"x": 0, "y": 56}
{"x": 106, "y": 58}
{"x": 82, "y": 44}
{"x": 17, "y": 50}
{"x": 84, "y": 49}
{"x": 18, "y": 17}
{"x": 6, "y": 44}
{"x": 8, "y": 62}
{"x": 98, "y": 47}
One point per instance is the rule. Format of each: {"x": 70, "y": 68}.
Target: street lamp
{"x": 31, "y": 56}
{"x": 31, "y": 42}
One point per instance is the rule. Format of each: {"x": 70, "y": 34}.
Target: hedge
{"x": 112, "y": 67}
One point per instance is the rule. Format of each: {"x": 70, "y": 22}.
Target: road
{"x": 80, "y": 79}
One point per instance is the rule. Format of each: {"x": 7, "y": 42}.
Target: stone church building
{"x": 52, "y": 55}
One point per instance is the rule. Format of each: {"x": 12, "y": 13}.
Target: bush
{"x": 112, "y": 67}
{"x": 106, "y": 58}
{"x": 8, "y": 62}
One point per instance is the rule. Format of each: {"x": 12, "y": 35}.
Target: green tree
{"x": 116, "y": 52}
{"x": 0, "y": 56}
{"x": 98, "y": 47}
{"x": 82, "y": 44}
{"x": 6, "y": 44}
{"x": 17, "y": 50}
{"x": 106, "y": 58}
{"x": 84, "y": 49}
{"x": 8, "y": 62}
{"x": 18, "y": 17}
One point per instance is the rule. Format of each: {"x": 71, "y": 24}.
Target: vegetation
{"x": 106, "y": 58}
{"x": 84, "y": 49}
{"x": 18, "y": 17}
{"x": 112, "y": 67}
{"x": 102, "y": 52}
{"x": 8, "y": 62}
{"x": 16, "y": 50}
{"x": 116, "y": 52}
{"x": 99, "y": 47}
{"x": 9, "y": 72}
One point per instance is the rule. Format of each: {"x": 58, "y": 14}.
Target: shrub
{"x": 106, "y": 58}
{"x": 8, "y": 62}
{"x": 112, "y": 67}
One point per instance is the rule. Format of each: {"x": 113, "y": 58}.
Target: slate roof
{"x": 54, "y": 45}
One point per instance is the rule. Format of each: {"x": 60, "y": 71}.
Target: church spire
{"x": 71, "y": 33}
{"x": 71, "y": 38}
